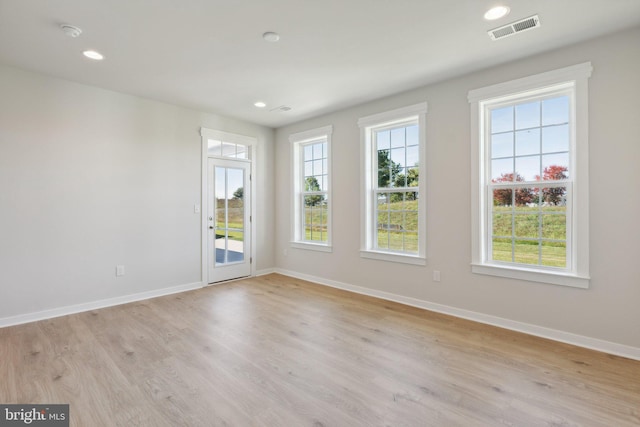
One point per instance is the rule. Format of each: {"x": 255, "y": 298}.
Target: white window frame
{"x": 574, "y": 80}
{"x": 368, "y": 125}
{"x": 298, "y": 141}
{"x": 251, "y": 146}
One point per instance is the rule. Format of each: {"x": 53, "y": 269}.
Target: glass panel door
{"x": 229, "y": 257}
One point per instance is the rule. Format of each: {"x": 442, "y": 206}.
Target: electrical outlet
{"x": 436, "y": 275}
{"x": 119, "y": 270}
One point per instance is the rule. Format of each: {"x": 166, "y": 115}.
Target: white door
{"x": 228, "y": 219}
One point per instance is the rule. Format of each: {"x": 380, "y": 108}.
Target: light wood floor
{"x": 277, "y": 351}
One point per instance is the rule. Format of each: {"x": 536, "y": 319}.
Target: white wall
{"x": 608, "y": 311}
{"x": 91, "y": 178}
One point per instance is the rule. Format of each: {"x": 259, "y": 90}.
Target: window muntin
{"x": 558, "y": 218}
{"x": 396, "y": 188}
{"x": 311, "y": 184}
{"x": 220, "y": 148}
{"x": 314, "y": 191}
{"x": 530, "y": 181}
{"x": 392, "y": 201}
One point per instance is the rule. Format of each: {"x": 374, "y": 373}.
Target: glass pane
{"x": 527, "y": 168}
{"x": 397, "y": 137}
{"x": 413, "y": 156}
{"x": 501, "y": 250}
{"x": 502, "y": 145}
{"x": 316, "y": 223}
{"x": 401, "y": 179}
{"x": 242, "y": 152}
{"x": 555, "y": 196}
{"x": 235, "y": 181}
{"x": 396, "y": 241}
{"x": 228, "y": 149}
{"x": 413, "y": 178}
{"x": 555, "y": 110}
{"x": 308, "y": 168}
{"x": 317, "y": 151}
{"x": 383, "y": 200}
{"x": 317, "y": 183}
{"x": 411, "y": 242}
{"x": 502, "y": 119}
{"x": 410, "y": 222}
{"x": 527, "y": 225}
{"x": 555, "y": 166}
{"x": 382, "y": 239}
{"x": 554, "y": 226}
{"x": 214, "y": 147}
{"x": 502, "y": 170}
{"x": 325, "y": 183}
{"x": 503, "y": 197}
{"x": 528, "y": 115}
{"x": 235, "y": 194}
{"x": 397, "y": 157}
{"x": 221, "y": 196}
{"x": 221, "y": 248}
{"x": 236, "y": 215}
{"x": 554, "y": 254}
{"x": 525, "y": 199}
{"x": 527, "y": 142}
{"x": 383, "y": 140}
{"x": 386, "y": 170}
{"x": 317, "y": 167}
{"x": 502, "y": 222}
{"x": 235, "y": 247}
{"x": 308, "y": 152}
{"x": 412, "y": 135}
{"x": 221, "y": 219}
{"x": 555, "y": 139}
{"x": 526, "y": 252}
{"x": 396, "y": 201}
{"x": 313, "y": 201}
{"x": 383, "y": 220}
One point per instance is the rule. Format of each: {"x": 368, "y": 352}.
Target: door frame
{"x": 252, "y": 144}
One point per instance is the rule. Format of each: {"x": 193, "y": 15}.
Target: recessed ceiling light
{"x": 92, "y": 54}
{"x": 260, "y": 104}
{"x": 271, "y": 37}
{"x": 496, "y": 13}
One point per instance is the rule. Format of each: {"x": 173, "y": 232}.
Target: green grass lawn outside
{"x": 511, "y": 226}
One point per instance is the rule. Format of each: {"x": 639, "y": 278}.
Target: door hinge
{"x": 250, "y": 218}
{"x": 250, "y": 260}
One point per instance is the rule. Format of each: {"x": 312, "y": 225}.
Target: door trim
{"x": 252, "y": 144}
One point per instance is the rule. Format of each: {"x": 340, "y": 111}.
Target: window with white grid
{"x": 530, "y": 172}
{"x": 393, "y": 205}
{"x": 311, "y": 189}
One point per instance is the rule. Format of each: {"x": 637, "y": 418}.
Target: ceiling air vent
{"x": 515, "y": 27}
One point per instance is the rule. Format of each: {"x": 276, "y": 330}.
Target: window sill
{"x": 532, "y": 275}
{"x": 319, "y": 247}
{"x": 386, "y": 256}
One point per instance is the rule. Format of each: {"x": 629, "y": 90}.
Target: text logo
{"x": 34, "y": 415}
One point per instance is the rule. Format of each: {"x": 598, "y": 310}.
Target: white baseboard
{"x": 265, "y": 271}
{"x": 94, "y": 305}
{"x": 552, "y": 334}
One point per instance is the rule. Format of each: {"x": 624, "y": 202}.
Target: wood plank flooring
{"x": 277, "y": 351}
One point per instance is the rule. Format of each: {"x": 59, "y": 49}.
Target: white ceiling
{"x": 209, "y": 54}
